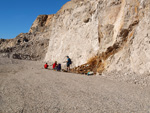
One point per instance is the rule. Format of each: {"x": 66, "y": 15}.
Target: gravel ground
{"x": 25, "y": 87}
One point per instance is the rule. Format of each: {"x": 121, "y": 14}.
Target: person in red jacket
{"x": 46, "y": 66}
{"x": 55, "y": 65}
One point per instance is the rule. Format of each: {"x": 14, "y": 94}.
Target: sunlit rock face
{"x": 40, "y": 24}
{"x": 134, "y": 56}
{"x": 74, "y": 33}
{"x": 118, "y": 30}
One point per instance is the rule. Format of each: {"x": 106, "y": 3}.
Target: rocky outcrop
{"x": 25, "y": 46}
{"x": 104, "y": 36}
{"x": 72, "y": 34}
{"x": 40, "y": 24}
{"x": 29, "y": 46}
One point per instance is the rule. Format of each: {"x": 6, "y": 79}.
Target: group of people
{"x": 57, "y": 67}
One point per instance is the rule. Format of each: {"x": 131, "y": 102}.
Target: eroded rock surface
{"x": 115, "y": 33}
{"x": 29, "y": 46}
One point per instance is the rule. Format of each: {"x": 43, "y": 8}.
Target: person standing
{"x": 69, "y": 62}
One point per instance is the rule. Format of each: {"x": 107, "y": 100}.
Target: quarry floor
{"x": 25, "y": 87}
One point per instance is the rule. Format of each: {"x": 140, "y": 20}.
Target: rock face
{"x": 24, "y": 46}
{"x": 113, "y": 33}
{"x": 74, "y": 33}
{"x": 41, "y": 24}
{"x": 29, "y": 46}
{"x": 134, "y": 55}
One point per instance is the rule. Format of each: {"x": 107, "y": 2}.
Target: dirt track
{"x": 27, "y": 88}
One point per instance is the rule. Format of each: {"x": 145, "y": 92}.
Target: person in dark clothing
{"x": 46, "y": 66}
{"x": 69, "y": 62}
{"x": 59, "y": 67}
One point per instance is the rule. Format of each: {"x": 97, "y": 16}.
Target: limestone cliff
{"x": 106, "y": 36}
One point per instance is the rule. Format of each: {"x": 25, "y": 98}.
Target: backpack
{"x": 69, "y": 60}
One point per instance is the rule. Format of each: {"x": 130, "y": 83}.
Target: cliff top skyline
{"x": 17, "y": 16}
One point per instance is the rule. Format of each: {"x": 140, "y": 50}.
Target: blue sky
{"x": 17, "y": 16}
